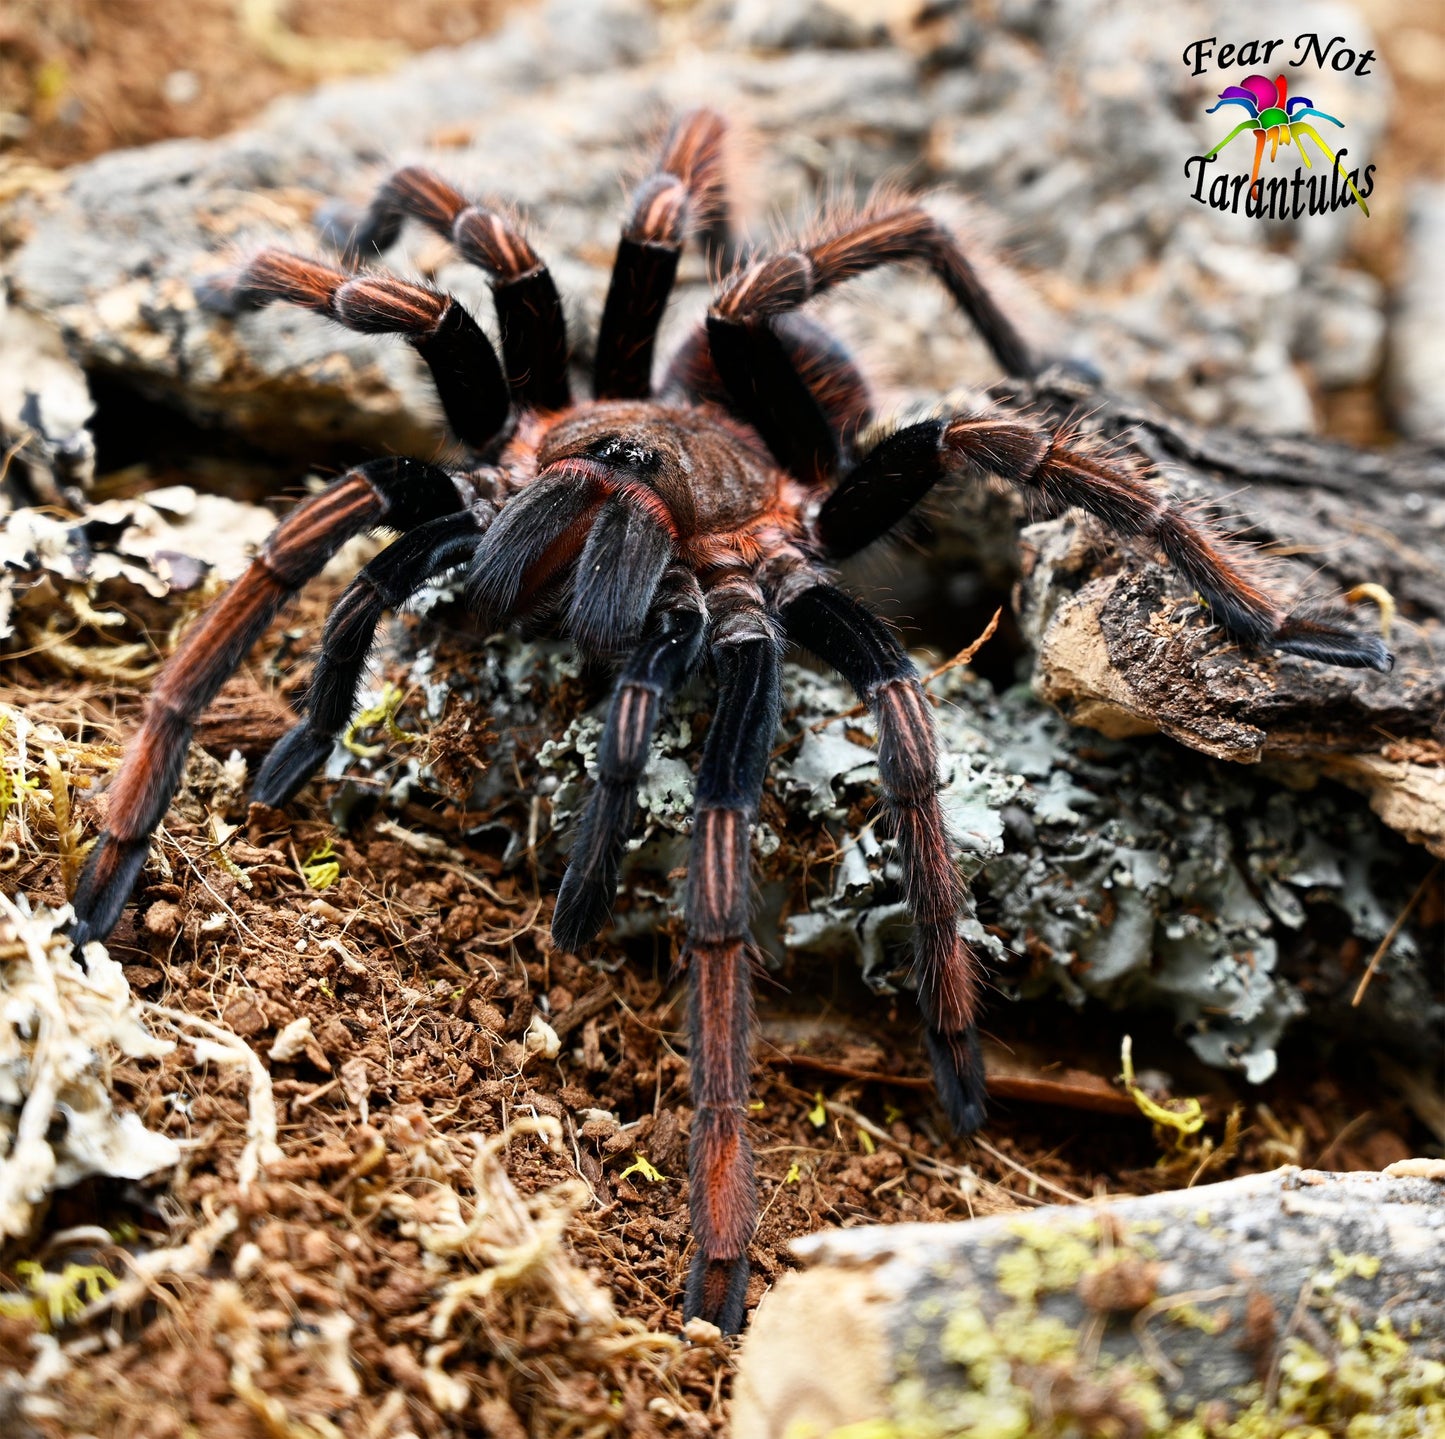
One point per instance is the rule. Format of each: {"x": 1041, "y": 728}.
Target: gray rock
{"x": 797, "y": 25}
{"x": 1341, "y": 329}
{"x": 1069, "y": 123}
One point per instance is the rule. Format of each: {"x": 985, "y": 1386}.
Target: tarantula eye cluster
{"x": 687, "y": 523}
{"x": 625, "y": 454}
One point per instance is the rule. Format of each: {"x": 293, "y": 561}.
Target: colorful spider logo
{"x": 1276, "y": 117}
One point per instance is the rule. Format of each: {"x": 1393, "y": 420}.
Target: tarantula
{"x": 662, "y": 527}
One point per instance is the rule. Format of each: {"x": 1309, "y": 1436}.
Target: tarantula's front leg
{"x": 861, "y": 647}
{"x": 386, "y": 583}
{"x": 648, "y": 680}
{"x": 398, "y": 493}
{"x": 529, "y": 310}
{"x": 464, "y": 366}
{"x": 684, "y": 193}
{"x": 721, "y": 1190}
{"x": 902, "y": 468}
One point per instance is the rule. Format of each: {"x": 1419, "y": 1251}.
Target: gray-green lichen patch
{"x": 1055, "y": 1334}
{"x": 1133, "y": 872}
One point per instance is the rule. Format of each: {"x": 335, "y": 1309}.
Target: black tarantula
{"x": 695, "y": 520}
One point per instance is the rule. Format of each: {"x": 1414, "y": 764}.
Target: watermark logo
{"x": 1277, "y": 118}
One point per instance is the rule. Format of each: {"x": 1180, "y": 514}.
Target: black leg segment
{"x": 684, "y": 194}
{"x": 862, "y": 648}
{"x": 647, "y": 682}
{"x": 529, "y": 311}
{"x": 721, "y": 1191}
{"x": 882, "y": 488}
{"x": 386, "y": 583}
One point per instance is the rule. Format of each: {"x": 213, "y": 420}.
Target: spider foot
{"x": 1332, "y": 645}
{"x": 958, "y": 1077}
{"x": 583, "y": 903}
{"x": 717, "y": 1291}
{"x": 296, "y": 756}
{"x": 109, "y": 876}
{"x": 585, "y": 899}
{"x": 219, "y": 295}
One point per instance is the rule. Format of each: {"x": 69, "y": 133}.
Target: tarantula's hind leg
{"x": 861, "y": 648}
{"x": 399, "y": 493}
{"x": 386, "y": 583}
{"x": 684, "y": 193}
{"x": 647, "y": 682}
{"x": 529, "y": 310}
{"x": 903, "y": 467}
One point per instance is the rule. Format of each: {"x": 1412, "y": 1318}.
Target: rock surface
{"x": 1417, "y": 351}
{"x": 1070, "y": 125}
{"x": 1276, "y": 1301}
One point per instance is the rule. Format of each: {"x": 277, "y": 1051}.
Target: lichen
{"x": 1003, "y": 1362}
{"x": 1132, "y": 872}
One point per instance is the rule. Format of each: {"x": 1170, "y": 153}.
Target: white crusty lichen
{"x": 1132, "y": 871}
{"x": 63, "y": 1023}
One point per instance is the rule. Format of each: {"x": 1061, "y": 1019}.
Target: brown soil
{"x": 86, "y": 76}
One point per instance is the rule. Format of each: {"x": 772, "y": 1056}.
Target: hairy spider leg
{"x": 861, "y": 647}
{"x": 685, "y": 193}
{"x": 397, "y": 493}
{"x": 464, "y": 366}
{"x": 721, "y": 1195}
{"x": 618, "y": 574}
{"x": 827, "y": 369}
{"x": 905, "y": 465}
{"x": 582, "y": 521}
{"x": 883, "y": 487}
{"x": 529, "y": 310}
{"x": 385, "y": 583}
{"x": 646, "y": 683}
{"x": 753, "y": 362}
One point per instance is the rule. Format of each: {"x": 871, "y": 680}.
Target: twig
{"x": 1027, "y": 1173}
{"x": 961, "y": 658}
{"x": 1395, "y": 928}
{"x": 1158, "y": 1360}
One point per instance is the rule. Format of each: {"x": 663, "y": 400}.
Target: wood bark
{"x": 1298, "y": 1292}
{"x": 1118, "y": 650}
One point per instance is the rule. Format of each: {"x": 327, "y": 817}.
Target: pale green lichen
{"x": 1192, "y": 1317}
{"x": 1346, "y": 1266}
{"x": 1049, "y": 1259}
{"x": 1026, "y": 1371}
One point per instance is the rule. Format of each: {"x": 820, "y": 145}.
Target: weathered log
{"x": 1291, "y": 1296}
{"x": 1116, "y": 649}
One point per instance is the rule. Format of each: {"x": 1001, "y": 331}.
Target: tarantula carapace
{"x": 666, "y": 527}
